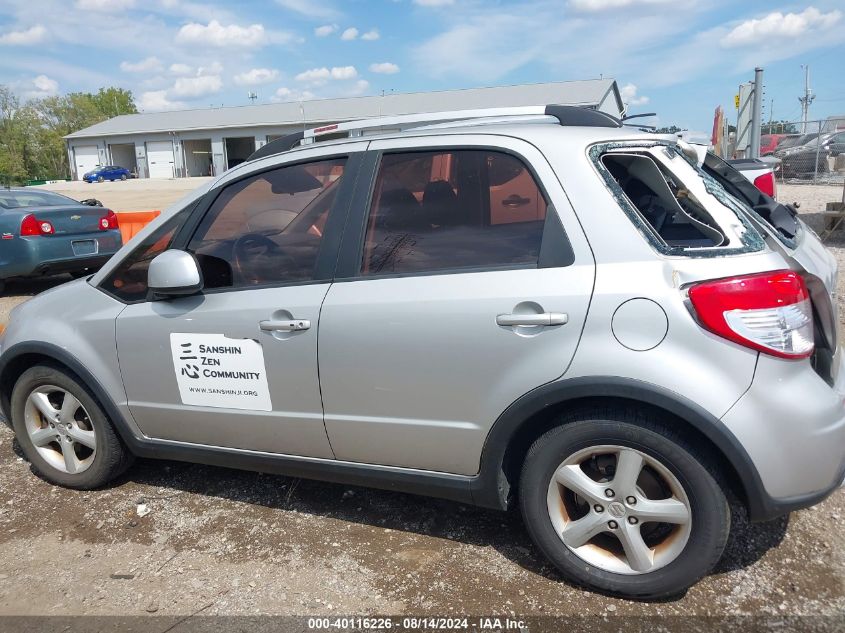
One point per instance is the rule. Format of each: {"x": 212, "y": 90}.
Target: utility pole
{"x": 806, "y": 100}
{"x": 756, "y": 115}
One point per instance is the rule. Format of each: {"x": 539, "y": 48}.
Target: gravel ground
{"x": 218, "y": 541}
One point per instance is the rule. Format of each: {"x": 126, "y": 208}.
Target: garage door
{"x": 85, "y": 158}
{"x": 160, "y": 159}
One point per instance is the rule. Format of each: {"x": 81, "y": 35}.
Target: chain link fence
{"x": 807, "y": 153}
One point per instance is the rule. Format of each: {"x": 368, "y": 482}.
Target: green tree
{"x": 32, "y": 135}
{"x": 114, "y": 101}
{"x": 13, "y": 136}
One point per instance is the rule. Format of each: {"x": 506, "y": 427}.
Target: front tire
{"x": 620, "y": 503}
{"x": 99, "y": 179}
{"x": 63, "y": 430}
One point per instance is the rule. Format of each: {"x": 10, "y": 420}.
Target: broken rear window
{"x": 681, "y": 210}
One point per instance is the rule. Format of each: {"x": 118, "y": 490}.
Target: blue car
{"x": 107, "y": 172}
{"x": 44, "y": 233}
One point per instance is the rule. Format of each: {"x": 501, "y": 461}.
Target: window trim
{"x": 351, "y": 254}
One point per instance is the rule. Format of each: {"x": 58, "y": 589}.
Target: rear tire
{"x": 123, "y": 176}
{"x": 618, "y": 546}
{"x": 52, "y": 413}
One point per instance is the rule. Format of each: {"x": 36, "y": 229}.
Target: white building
{"x": 207, "y": 142}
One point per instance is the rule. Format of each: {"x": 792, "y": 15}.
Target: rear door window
{"x": 456, "y": 209}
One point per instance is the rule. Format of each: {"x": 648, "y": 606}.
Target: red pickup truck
{"x": 770, "y": 142}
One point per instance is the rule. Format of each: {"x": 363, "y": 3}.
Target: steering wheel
{"x": 256, "y": 260}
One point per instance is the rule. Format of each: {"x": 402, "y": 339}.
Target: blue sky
{"x": 680, "y": 58}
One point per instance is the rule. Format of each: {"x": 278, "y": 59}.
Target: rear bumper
{"x": 792, "y": 424}
{"x": 69, "y": 265}
{"x": 36, "y": 256}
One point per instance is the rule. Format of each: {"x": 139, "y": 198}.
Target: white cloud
{"x": 39, "y": 87}
{"x": 434, "y": 3}
{"x": 349, "y": 34}
{"x": 287, "y": 94}
{"x": 193, "y": 87}
{"x": 216, "y": 34}
{"x": 604, "y": 5}
{"x": 156, "y": 101}
{"x": 322, "y": 75}
{"x": 325, "y": 30}
{"x": 776, "y": 26}
{"x": 473, "y": 47}
{"x": 110, "y": 6}
{"x": 147, "y": 65}
{"x": 361, "y": 86}
{"x": 371, "y": 35}
{"x": 214, "y": 68}
{"x": 181, "y": 69}
{"x": 45, "y": 84}
{"x": 630, "y": 96}
{"x": 310, "y": 9}
{"x": 30, "y": 36}
{"x": 470, "y": 46}
{"x": 256, "y": 76}
{"x": 384, "y": 68}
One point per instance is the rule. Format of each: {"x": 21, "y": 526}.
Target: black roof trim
{"x": 580, "y": 116}
{"x": 278, "y": 146}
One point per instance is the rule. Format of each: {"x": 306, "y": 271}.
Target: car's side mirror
{"x": 174, "y": 273}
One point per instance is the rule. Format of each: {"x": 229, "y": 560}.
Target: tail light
{"x": 769, "y": 312}
{"x": 766, "y": 184}
{"x": 31, "y": 225}
{"x": 108, "y": 221}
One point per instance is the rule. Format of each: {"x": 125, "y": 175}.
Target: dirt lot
{"x": 131, "y": 195}
{"x": 225, "y": 542}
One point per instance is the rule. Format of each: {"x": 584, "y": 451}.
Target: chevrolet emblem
{"x": 75, "y": 217}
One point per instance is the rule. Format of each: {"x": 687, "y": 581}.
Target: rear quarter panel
{"x": 689, "y": 360}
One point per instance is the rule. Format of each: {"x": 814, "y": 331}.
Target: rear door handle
{"x": 294, "y": 325}
{"x": 546, "y": 318}
{"x": 513, "y": 201}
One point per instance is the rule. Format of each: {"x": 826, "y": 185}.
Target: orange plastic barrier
{"x": 131, "y": 222}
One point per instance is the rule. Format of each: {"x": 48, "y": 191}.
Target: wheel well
{"x": 543, "y": 421}
{"x": 13, "y": 370}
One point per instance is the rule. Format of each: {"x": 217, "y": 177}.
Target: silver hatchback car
{"x": 537, "y": 307}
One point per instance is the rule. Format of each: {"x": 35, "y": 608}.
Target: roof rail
{"x": 566, "y": 115}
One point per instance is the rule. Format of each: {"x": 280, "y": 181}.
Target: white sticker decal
{"x": 213, "y": 370}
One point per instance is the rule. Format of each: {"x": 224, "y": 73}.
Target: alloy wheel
{"x": 60, "y": 429}
{"x": 619, "y": 509}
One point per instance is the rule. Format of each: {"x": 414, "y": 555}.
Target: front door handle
{"x": 545, "y": 318}
{"x": 293, "y": 325}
